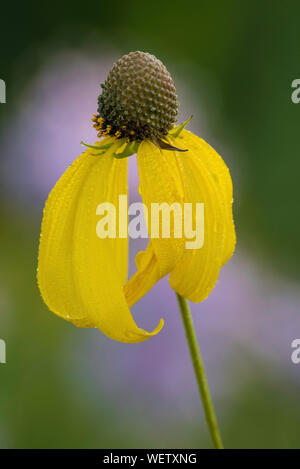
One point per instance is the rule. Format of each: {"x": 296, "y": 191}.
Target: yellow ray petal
{"x": 206, "y": 179}
{"x": 199, "y": 175}
{"x": 81, "y": 276}
{"x": 145, "y": 278}
{"x": 221, "y": 174}
{"x": 161, "y": 183}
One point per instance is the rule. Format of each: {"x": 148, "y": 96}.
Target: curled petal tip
{"x": 140, "y": 335}
{"x": 158, "y": 328}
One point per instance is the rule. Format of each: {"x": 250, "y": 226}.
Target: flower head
{"x": 138, "y": 100}
{"x": 83, "y": 277}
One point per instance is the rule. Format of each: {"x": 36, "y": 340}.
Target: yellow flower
{"x": 83, "y": 278}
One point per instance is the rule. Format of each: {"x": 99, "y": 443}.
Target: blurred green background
{"x": 233, "y": 63}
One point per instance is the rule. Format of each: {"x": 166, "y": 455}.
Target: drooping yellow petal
{"x": 160, "y": 184}
{"x": 207, "y": 180}
{"x": 196, "y": 176}
{"x": 221, "y": 175}
{"x": 145, "y": 278}
{"x": 80, "y": 275}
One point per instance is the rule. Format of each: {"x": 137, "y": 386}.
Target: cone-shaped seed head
{"x": 138, "y": 100}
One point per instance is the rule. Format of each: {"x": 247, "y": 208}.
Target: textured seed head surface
{"x": 138, "y": 99}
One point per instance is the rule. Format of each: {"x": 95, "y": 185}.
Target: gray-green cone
{"x": 138, "y": 100}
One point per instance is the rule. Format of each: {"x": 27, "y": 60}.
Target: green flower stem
{"x": 200, "y": 372}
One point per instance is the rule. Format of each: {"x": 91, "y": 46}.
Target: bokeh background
{"x": 233, "y": 63}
